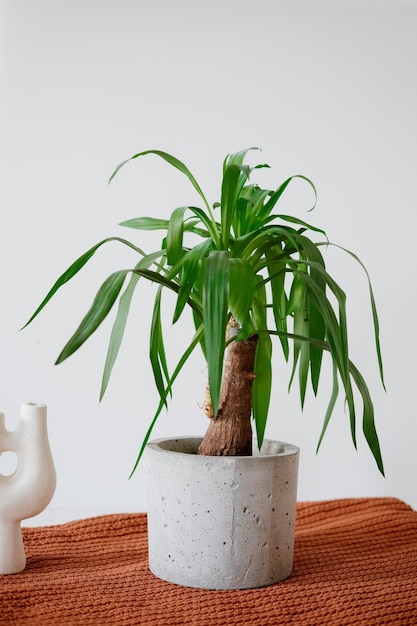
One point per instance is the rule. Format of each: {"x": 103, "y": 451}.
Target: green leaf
{"x": 254, "y": 245}
{"x": 265, "y": 211}
{"x": 316, "y": 323}
{"x": 103, "y": 302}
{"x": 276, "y": 272}
{"x": 197, "y": 320}
{"x": 275, "y": 196}
{"x": 233, "y": 180}
{"x": 215, "y": 298}
{"x": 301, "y": 352}
{"x": 119, "y": 325}
{"x": 117, "y": 332}
{"x": 151, "y": 223}
{"x": 237, "y": 158}
{"x": 241, "y": 289}
{"x": 296, "y": 298}
{"x": 296, "y": 220}
{"x": 190, "y": 271}
{"x": 368, "y": 421}
{"x": 369, "y": 428}
{"x": 73, "y": 269}
{"x": 179, "y": 165}
{"x": 157, "y": 278}
{"x": 262, "y": 385}
{"x": 336, "y": 334}
{"x": 254, "y": 198}
{"x": 373, "y": 308}
{"x": 261, "y": 389}
{"x": 175, "y": 235}
{"x": 210, "y": 224}
{"x": 240, "y": 217}
{"x": 146, "y": 223}
{"x": 184, "y": 358}
{"x": 157, "y": 348}
{"x": 330, "y": 407}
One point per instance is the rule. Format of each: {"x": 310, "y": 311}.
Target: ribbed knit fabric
{"x": 355, "y": 563}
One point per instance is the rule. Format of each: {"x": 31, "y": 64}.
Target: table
{"x": 355, "y": 562}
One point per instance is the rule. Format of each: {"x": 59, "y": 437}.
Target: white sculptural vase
{"x": 29, "y": 489}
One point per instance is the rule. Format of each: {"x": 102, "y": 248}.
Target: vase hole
{"x": 8, "y": 463}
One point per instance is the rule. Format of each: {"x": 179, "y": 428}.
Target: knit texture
{"x": 355, "y": 563}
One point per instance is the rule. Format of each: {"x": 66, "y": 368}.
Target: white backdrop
{"x": 326, "y": 89}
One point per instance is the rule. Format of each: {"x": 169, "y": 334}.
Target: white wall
{"x": 326, "y": 89}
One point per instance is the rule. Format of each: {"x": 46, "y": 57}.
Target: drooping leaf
{"x": 299, "y": 222}
{"x": 276, "y": 272}
{"x": 368, "y": 420}
{"x": 157, "y": 278}
{"x": 179, "y": 165}
{"x": 261, "y": 388}
{"x": 184, "y": 358}
{"x": 316, "y": 325}
{"x": 330, "y": 407}
{"x": 119, "y": 325}
{"x": 336, "y": 336}
{"x": 373, "y": 308}
{"x": 117, "y": 332}
{"x": 215, "y": 299}
{"x": 73, "y": 269}
{"x": 157, "y": 349}
{"x": 368, "y": 410}
{"x": 262, "y": 385}
{"x": 265, "y": 212}
{"x": 301, "y": 351}
{"x": 103, "y": 302}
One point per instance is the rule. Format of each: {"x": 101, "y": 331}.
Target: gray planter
{"x": 221, "y": 522}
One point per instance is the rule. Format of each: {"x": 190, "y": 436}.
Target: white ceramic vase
{"x": 29, "y": 489}
{"x": 221, "y": 522}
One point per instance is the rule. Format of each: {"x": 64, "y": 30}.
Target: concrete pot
{"x": 221, "y": 522}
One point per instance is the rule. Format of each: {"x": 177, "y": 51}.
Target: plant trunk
{"x": 230, "y": 432}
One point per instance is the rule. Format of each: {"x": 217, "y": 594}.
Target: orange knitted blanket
{"x": 355, "y": 563}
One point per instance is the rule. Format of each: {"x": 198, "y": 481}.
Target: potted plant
{"x": 248, "y": 275}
